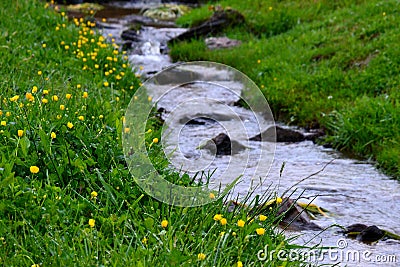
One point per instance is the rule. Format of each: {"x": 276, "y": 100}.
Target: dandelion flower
{"x": 85, "y": 95}
{"x": 164, "y": 223}
{"x": 29, "y": 96}
{"x": 278, "y": 200}
{"x": 20, "y": 133}
{"x": 45, "y": 101}
{"x": 239, "y": 264}
{"x": 34, "y": 169}
{"x": 262, "y": 218}
{"x": 44, "y": 45}
{"x": 39, "y": 72}
{"x": 70, "y": 125}
{"x": 211, "y": 195}
{"x": 92, "y": 222}
{"x": 34, "y": 89}
{"x": 45, "y": 92}
{"x": 81, "y": 118}
{"x": 54, "y": 98}
{"x": 155, "y": 140}
{"x": 144, "y": 240}
{"x": 8, "y": 114}
{"x": 94, "y": 194}
{"x": 53, "y": 135}
{"x": 260, "y": 231}
{"x": 68, "y": 96}
{"x": 240, "y": 223}
{"x": 106, "y": 84}
{"x": 78, "y": 86}
{"x": 127, "y": 130}
{"x": 201, "y": 256}
{"x": 62, "y": 107}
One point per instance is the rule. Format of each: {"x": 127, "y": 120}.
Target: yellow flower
{"x": 240, "y": 223}
{"x": 127, "y": 130}
{"x": 260, "y": 231}
{"x": 70, "y": 125}
{"x": 105, "y": 84}
{"x": 262, "y": 218}
{"x": 149, "y": 98}
{"x": 34, "y": 89}
{"x": 44, "y": 45}
{"x": 39, "y": 72}
{"x": 94, "y": 194}
{"x": 45, "y": 101}
{"x": 35, "y": 265}
{"x": 81, "y": 118}
{"x": 14, "y": 98}
{"x": 103, "y": 19}
{"x": 201, "y": 256}
{"x": 68, "y": 96}
{"x": 144, "y": 240}
{"x": 101, "y": 116}
{"x": 20, "y": 133}
{"x": 62, "y": 107}
{"x": 34, "y": 169}
{"x": 45, "y": 92}
{"x": 212, "y": 196}
{"x": 164, "y": 223}
{"x": 239, "y": 264}
{"x": 278, "y": 200}
{"x": 223, "y": 221}
{"x": 91, "y": 222}
{"x": 66, "y": 47}
{"x": 53, "y": 135}
{"x": 217, "y": 217}
{"x": 54, "y": 98}
{"x": 8, "y": 114}
{"x": 85, "y": 94}
{"x": 29, "y": 96}
{"x": 221, "y": 234}
{"x": 78, "y": 86}
{"x": 233, "y": 233}
{"x": 155, "y": 140}
{"x": 258, "y": 61}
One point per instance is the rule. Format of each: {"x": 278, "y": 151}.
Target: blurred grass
{"x": 329, "y": 64}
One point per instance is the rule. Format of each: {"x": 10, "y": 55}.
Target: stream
{"x": 353, "y": 191}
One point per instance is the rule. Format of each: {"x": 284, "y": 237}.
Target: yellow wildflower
{"x": 54, "y": 98}
{"x": 260, "y": 231}
{"x": 3, "y": 123}
{"x": 85, "y": 94}
{"x": 164, "y": 223}
{"x": 239, "y": 264}
{"x": 262, "y": 218}
{"x": 39, "y": 72}
{"x": 29, "y": 96}
{"x": 70, "y": 125}
{"x": 62, "y": 107}
{"x": 201, "y": 256}
{"x": 223, "y": 221}
{"x": 217, "y": 217}
{"x": 91, "y": 222}
{"x": 20, "y": 133}
{"x": 81, "y": 118}
{"x": 34, "y": 89}
{"x": 155, "y": 140}
{"x": 94, "y": 194}
{"x": 68, "y": 96}
{"x": 45, "y": 101}
{"x": 53, "y": 135}
{"x": 34, "y": 169}
{"x": 211, "y": 195}
{"x": 106, "y": 84}
{"x": 240, "y": 223}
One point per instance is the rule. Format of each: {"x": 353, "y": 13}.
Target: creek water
{"x": 353, "y": 191}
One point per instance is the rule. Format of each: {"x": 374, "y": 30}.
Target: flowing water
{"x": 353, "y": 191}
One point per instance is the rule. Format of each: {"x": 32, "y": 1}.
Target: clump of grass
{"x": 66, "y": 195}
{"x": 325, "y": 60}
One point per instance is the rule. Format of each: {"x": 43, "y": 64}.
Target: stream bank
{"x": 352, "y": 190}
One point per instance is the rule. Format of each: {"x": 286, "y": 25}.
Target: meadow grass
{"x": 66, "y": 195}
{"x": 328, "y": 64}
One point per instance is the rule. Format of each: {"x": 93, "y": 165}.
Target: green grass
{"x": 329, "y": 64}
{"x": 66, "y": 196}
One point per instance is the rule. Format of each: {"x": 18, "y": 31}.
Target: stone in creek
{"x": 371, "y": 234}
{"x": 281, "y": 134}
{"x": 222, "y": 145}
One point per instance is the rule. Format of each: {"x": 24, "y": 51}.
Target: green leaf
{"x": 25, "y": 144}
{"x": 149, "y": 223}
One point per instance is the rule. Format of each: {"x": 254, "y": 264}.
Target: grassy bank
{"x": 329, "y": 64}
{"x": 66, "y": 196}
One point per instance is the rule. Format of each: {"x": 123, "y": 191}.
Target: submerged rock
{"x": 166, "y": 12}
{"x": 286, "y": 135}
{"x": 222, "y": 145}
